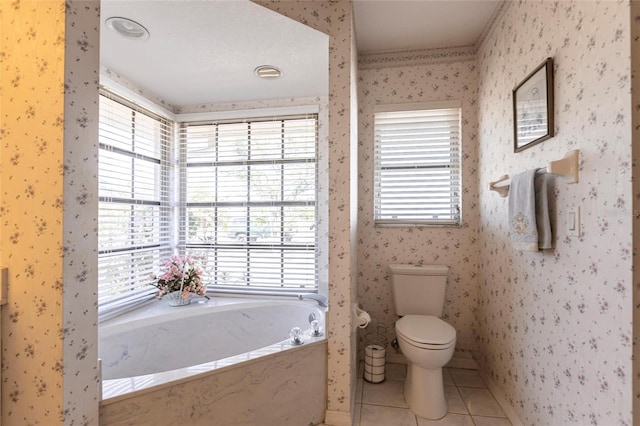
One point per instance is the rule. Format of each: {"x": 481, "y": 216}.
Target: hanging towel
{"x": 543, "y": 224}
{"x": 522, "y": 211}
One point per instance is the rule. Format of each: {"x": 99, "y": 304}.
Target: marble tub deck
{"x": 285, "y": 388}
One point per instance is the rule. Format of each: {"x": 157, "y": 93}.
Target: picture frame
{"x": 533, "y": 108}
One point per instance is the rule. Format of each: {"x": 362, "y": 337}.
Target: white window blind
{"x": 249, "y": 202}
{"x": 417, "y": 164}
{"x": 134, "y": 212}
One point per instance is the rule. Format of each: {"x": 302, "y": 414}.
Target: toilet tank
{"x": 419, "y": 289}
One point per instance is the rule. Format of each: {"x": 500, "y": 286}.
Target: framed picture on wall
{"x": 533, "y": 108}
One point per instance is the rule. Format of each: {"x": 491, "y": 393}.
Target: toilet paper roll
{"x": 374, "y": 351}
{"x": 362, "y": 318}
{"x": 373, "y": 378}
{"x": 374, "y": 369}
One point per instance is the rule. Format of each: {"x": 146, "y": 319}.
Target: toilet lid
{"x": 426, "y": 329}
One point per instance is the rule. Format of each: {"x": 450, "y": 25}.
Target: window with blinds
{"x": 417, "y": 164}
{"x": 248, "y": 208}
{"x": 134, "y": 207}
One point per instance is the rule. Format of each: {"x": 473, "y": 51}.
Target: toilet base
{"x": 424, "y": 392}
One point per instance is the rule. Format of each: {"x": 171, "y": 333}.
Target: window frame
{"x": 455, "y": 162}
{"x": 113, "y": 305}
{"x": 173, "y": 207}
{"x": 184, "y": 246}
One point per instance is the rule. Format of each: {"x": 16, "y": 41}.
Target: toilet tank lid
{"x": 419, "y": 269}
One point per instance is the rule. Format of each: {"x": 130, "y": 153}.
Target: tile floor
{"x": 470, "y": 402}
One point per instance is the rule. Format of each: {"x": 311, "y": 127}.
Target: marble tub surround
{"x": 470, "y": 403}
{"x": 145, "y": 349}
{"x": 287, "y": 388}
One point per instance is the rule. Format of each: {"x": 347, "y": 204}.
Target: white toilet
{"x": 426, "y": 340}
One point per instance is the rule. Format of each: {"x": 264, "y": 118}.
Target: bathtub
{"x": 225, "y": 361}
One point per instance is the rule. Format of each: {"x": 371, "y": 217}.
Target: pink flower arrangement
{"x": 179, "y": 272}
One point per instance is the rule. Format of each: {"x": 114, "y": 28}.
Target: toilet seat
{"x": 426, "y": 332}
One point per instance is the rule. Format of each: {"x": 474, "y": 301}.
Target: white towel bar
{"x": 567, "y": 167}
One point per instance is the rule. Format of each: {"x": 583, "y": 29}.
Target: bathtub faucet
{"x": 322, "y": 300}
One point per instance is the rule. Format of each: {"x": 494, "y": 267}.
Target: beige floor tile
{"x": 454, "y": 400}
{"x": 389, "y": 393}
{"x": 374, "y": 415}
{"x": 467, "y": 378}
{"x": 450, "y": 419}
{"x": 396, "y": 372}
{"x": 491, "y": 421}
{"x": 480, "y": 402}
{"x": 446, "y": 377}
{"x": 359, "y": 386}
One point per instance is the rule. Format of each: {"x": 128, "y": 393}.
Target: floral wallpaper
{"x": 32, "y": 356}
{"x": 398, "y": 80}
{"x": 353, "y": 213}
{"x": 321, "y": 101}
{"x": 376, "y": 60}
{"x": 335, "y": 18}
{"x": 635, "y": 138}
{"x": 80, "y": 213}
{"x": 48, "y": 152}
{"x": 118, "y": 79}
{"x": 555, "y": 327}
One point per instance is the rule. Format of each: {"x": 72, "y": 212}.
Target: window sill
{"x": 418, "y": 225}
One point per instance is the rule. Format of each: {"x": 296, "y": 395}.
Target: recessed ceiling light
{"x": 128, "y": 28}
{"x": 268, "y": 72}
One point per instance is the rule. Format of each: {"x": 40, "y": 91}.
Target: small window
{"x": 417, "y": 164}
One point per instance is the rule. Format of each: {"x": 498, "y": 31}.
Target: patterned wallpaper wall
{"x": 32, "y": 160}
{"x": 635, "y": 137}
{"x": 555, "y": 327}
{"x": 391, "y": 82}
{"x": 353, "y": 206}
{"x": 335, "y": 18}
{"x": 48, "y": 151}
{"x": 80, "y": 213}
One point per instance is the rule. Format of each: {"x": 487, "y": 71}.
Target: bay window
{"x": 134, "y": 231}
{"x": 248, "y": 197}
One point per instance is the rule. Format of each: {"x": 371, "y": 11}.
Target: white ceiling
{"x": 392, "y": 25}
{"x": 206, "y": 51}
{"x": 202, "y": 52}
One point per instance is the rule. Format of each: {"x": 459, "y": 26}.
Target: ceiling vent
{"x": 268, "y": 72}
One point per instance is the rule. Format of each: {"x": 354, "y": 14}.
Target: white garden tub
{"x": 159, "y": 347}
